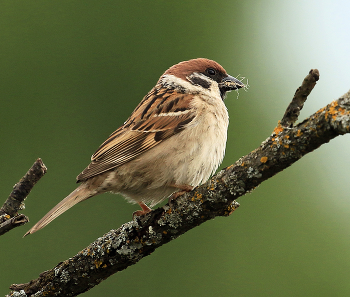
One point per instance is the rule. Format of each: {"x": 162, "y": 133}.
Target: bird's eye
{"x": 211, "y": 71}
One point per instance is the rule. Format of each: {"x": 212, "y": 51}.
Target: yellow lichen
{"x": 263, "y": 159}
{"x": 332, "y": 110}
{"x": 230, "y": 209}
{"x": 321, "y": 110}
{"x": 89, "y": 253}
{"x": 98, "y": 263}
{"x": 197, "y": 196}
{"x": 278, "y": 129}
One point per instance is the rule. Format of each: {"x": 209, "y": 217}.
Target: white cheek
{"x": 212, "y": 95}
{"x": 209, "y": 94}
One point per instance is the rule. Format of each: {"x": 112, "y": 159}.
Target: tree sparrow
{"x": 173, "y": 141}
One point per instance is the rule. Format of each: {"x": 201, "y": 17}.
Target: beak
{"x": 230, "y": 83}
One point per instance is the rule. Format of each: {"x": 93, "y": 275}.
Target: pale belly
{"x": 188, "y": 158}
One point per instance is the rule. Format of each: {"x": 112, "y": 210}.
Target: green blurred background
{"x": 71, "y": 72}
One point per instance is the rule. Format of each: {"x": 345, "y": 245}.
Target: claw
{"x": 145, "y": 209}
{"x": 183, "y": 190}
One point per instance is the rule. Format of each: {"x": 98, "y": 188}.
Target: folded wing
{"x": 160, "y": 115}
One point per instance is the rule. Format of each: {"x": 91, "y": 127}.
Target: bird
{"x": 174, "y": 140}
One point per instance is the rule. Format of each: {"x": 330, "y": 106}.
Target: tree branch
{"x": 9, "y": 218}
{"x": 120, "y": 248}
{"x": 293, "y": 110}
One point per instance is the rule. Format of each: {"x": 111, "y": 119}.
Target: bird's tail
{"x": 79, "y": 194}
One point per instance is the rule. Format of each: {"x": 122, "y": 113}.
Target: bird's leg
{"x": 145, "y": 209}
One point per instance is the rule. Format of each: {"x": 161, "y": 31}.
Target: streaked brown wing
{"x": 161, "y": 114}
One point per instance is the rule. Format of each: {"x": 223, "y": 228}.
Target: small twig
{"x": 293, "y": 110}
{"x": 14, "y": 222}
{"x": 9, "y": 217}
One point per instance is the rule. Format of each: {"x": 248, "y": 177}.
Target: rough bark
{"x": 9, "y": 216}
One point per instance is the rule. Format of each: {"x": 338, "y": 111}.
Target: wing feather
{"x": 153, "y": 121}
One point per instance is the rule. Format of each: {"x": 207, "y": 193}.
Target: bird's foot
{"x": 145, "y": 209}
{"x": 183, "y": 189}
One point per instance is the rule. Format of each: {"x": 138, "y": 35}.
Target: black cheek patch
{"x": 201, "y": 82}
